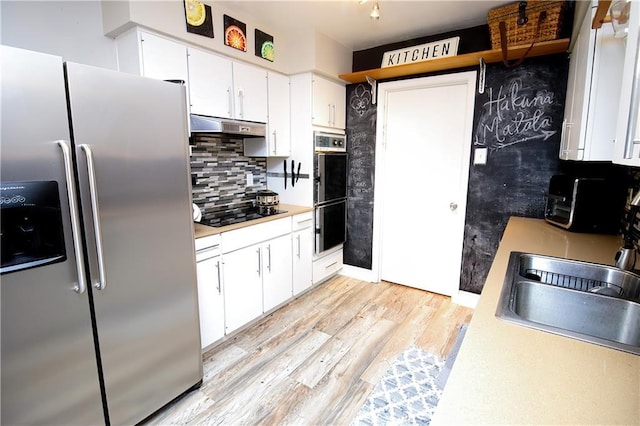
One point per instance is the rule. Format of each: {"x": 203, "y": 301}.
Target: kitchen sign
{"x": 422, "y": 52}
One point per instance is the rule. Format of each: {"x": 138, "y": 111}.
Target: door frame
{"x": 467, "y": 78}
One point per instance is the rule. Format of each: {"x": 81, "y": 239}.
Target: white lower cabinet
{"x": 210, "y": 295}
{"x": 302, "y": 252}
{"x": 251, "y": 271}
{"x": 276, "y": 275}
{"x": 327, "y": 266}
{"x": 242, "y": 286}
{"x": 257, "y": 270}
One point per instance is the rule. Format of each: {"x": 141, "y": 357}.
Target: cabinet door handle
{"x": 333, "y": 116}
{"x": 564, "y": 139}
{"x": 219, "y": 280}
{"x": 241, "y": 102}
{"x": 298, "y": 237}
{"x": 81, "y": 287}
{"x": 329, "y": 105}
{"x": 275, "y": 142}
{"x": 229, "y": 101}
{"x": 259, "y": 265}
{"x": 95, "y": 215}
{"x": 269, "y": 257}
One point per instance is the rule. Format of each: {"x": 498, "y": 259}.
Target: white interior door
{"x": 424, "y": 145}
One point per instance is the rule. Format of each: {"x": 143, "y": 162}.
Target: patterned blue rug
{"x": 407, "y": 394}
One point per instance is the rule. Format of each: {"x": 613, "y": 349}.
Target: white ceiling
{"x": 348, "y": 22}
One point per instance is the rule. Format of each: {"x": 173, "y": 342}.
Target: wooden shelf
{"x": 460, "y": 61}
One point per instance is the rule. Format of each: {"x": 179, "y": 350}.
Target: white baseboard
{"x": 358, "y": 273}
{"x": 465, "y": 298}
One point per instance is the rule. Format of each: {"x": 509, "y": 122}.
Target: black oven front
{"x": 330, "y": 177}
{"x": 330, "y": 190}
{"x": 331, "y": 225}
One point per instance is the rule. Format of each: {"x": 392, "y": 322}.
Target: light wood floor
{"x": 316, "y": 360}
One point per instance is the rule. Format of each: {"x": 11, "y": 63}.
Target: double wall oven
{"x": 330, "y": 190}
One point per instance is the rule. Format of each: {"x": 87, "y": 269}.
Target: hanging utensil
{"x": 298, "y": 173}
{"x": 293, "y": 173}
{"x": 285, "y": 173}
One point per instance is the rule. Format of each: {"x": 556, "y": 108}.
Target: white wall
{"x": 331, "y": 58}
{"x": 74, "y": 30}
{"x": 71, "y": 29}
{"x": 295, "y": 51}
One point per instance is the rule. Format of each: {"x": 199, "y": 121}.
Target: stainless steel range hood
{"x": 226, "y": 126}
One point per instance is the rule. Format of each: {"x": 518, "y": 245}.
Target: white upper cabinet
{"x": 329, "y": 103}
{"x": 279, "y": 131}
{"x": 163, "y": 59}
{"x": 278, "y": 140}
{"x": 593, "y": 94}
{"x": 627, "y": 145}
{"x": 210, "y": 84}
{"x": 152, "y": 56}
{"x": 216, "y": 86}
{"x": 250, "y": 92}
{"x": 220, "y": 87}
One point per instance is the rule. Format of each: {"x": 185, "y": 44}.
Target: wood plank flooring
{"x": 316, "y": 360}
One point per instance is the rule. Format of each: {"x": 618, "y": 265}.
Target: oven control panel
{"x": 329, "y": 142}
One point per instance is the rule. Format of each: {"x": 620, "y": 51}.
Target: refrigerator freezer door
{"x": 135, "y": 130}
{"x": 49, "y": 370}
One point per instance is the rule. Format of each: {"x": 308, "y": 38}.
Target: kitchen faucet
{"x": 626, "y": 256}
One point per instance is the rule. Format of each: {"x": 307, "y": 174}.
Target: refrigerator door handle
{"x": 81, "y": 287}
{"x": 95, "y": 214}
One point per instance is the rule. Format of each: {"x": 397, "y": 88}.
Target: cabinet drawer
{"x": 325, "y": 267}
{"x": 302, "y": 221}
{"x": 209, "y": 241}
{"x": 244, "y": 237}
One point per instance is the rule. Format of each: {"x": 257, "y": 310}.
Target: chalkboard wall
{"x": 361, "y": 142}
{"x": 518, "y": 119}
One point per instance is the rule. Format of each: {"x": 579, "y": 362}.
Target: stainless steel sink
{"x": 594, "y": 303}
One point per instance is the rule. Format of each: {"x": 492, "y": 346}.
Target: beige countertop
{"x": 509, "y": 374}
{"x": 292, "y": 210}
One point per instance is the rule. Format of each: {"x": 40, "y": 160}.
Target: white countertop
{"x": 509, "y": 374}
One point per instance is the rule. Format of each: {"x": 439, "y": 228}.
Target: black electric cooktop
{"x": 238, "y": 217}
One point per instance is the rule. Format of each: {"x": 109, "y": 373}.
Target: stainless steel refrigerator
{"x": 98, "y": 280}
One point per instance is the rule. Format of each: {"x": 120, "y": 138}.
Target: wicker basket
{"x": 518, "y": 34}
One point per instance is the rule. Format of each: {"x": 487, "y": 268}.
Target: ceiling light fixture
{"x": 375, "y": 11}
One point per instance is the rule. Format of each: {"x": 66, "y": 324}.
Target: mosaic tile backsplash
{"x": 219, "y": 176}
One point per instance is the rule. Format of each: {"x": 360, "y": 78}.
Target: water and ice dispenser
{"x": 31, "y": 232}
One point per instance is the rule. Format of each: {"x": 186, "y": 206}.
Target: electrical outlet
{"x": 249, "y": 179}
{"x": 480, "y": 156}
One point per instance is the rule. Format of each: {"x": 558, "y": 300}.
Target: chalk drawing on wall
{"x": 360, "y": 100}
{"x": 513, "y": 113}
